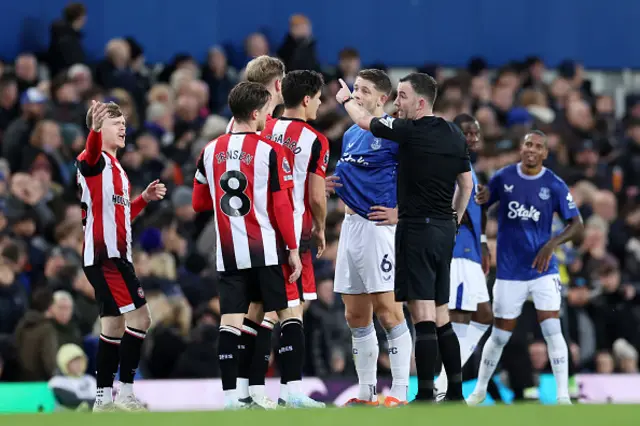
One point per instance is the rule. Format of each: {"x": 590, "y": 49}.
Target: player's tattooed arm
{"x": 572, "y": 232}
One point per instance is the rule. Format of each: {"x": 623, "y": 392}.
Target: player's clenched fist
{"x": 155, "y": 191}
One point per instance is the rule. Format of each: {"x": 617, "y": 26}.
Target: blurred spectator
{"x": 65, "y": 45}
{"x": 72, "y": 388}
{"x": 220, "y": 77}
{"x": 26, "y": 71}
{"x": 13, "y": 300}
{"x": 298, "y": 51}
{"x": 631, "y": 160}
{"x": 255, "y": 45}
{"x": 62, "y": 316}
{"x": 81, "y": 77}
{"x": 348, "y": 65}
{"x": 328, "y": 334}
{"x": 36, "y": 339}
{"x": 9, "y": 109}
{"x": 33, "y": 103}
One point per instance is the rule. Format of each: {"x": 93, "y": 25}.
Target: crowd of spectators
{"x": 174, "y": 110}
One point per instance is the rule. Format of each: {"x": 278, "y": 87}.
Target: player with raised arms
{"x": 529, "y": 194}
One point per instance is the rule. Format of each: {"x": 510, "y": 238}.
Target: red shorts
{"x": 305, "y": 287}
{"x": 117, "y": 287}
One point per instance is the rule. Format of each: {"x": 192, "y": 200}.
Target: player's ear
{"x": 254, "y": 114}
{"x": 305, "y": 101}
{"x": 383, "y": 99}
{"x": 278, "y": 85}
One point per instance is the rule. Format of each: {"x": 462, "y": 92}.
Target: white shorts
{"x": 366, "y": 257}
{"x": 509, "y": 296}
{"x": 468, "y": 285}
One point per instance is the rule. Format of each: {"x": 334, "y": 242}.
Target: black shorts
{"x": 265, "y": 284}
{"x": 424, "y": 249}
{"x": 117, "y": 287}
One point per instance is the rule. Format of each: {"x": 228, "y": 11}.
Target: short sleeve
{"x": 494, "y": 188}
{"x": 201, "y": 172}
{"x": 564, "y": 204}
{"x": 393, "y": 129}
{"x": 280, "y": 176}
{"x": 319, "y": 160}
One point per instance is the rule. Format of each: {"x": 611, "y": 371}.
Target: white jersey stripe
{"x": 127, "y": 210}
{"x": 207, "y": 159}
{"x": 260, "y": 199}
{"x": 109, "y": 210}
{"x": 238, "y": 227}
{"x": 88, "y": 254}
{"x": 300, "y": 172}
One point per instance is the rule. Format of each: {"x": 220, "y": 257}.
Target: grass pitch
{"x": 514, "y": 415}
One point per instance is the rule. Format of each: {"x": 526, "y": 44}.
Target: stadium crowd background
{"x": 174, "y": 109}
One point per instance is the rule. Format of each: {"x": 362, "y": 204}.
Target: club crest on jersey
{"x": 376, "y": 144}
{"x": 544, "y": 193}
{"x": 285, "y": 166}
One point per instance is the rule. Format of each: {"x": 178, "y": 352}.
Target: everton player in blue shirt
{"x": 366, "y": 252}
{"x": 469, "y": 305}
{"x": 529, "y": 195}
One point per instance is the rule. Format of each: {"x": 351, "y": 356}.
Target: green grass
{"x": 521, "y": 415}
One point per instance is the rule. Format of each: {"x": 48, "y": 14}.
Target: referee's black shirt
{"x": 431, "y": 155}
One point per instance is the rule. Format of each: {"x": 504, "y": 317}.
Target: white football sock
{"x": 126, "y": 389}
{"x": 230, "y": 397}
{"x": 257, "y": 391}
{"x": 365, "y": 357}
{"x": 558, "y": 354}
{"x": 242, "y": 386}
{"x": 475, "y": 331}
{"x": 400, "y": 347}
{"x": 490, "y": 357}
{"x": 294, "y": 387}
{"x": 284, "y": 392}
{"x": 104, "y": 396}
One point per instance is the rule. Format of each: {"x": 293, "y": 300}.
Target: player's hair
{"x": 264, "y": 69}
{"x": 247, "y": 97}
{"x": 423, "y": 84}
{"x": 464, "y": 118}
{"x": 540, "y": 133}
{"x": 113, "y": 109}
{"x": 73, "y": 11}
{"x": 298, "y": 84}
{"x": 379, "y": 78}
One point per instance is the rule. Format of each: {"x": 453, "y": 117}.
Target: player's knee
{"x": 551, "y": 327}
{"x": 112, "y": 326}
{"x": 500, "y": 337}
{"x": 484, "y": 314}
{"x": 357, "y": 319}
{"x": 139, "y": 319}
{"x": 390, "y": 316}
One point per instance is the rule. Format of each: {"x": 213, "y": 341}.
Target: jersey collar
{"x": 528, "y": 177}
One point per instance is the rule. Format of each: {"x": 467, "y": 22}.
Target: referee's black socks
{"x": 450, "y": 354}
{"x": 426, "y": 353}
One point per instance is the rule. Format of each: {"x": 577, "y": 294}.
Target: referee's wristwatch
{"x": 347, "y": 99}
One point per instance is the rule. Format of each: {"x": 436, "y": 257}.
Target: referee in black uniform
{"x": 432, "y": 157}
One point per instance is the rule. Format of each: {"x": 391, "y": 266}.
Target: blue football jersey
{"x": 468, "y": 238}
{"x": 525, "y": 218}
{"x": 367, "y": 171}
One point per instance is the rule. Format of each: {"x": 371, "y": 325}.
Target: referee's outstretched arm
{"x": 462, "y": 194}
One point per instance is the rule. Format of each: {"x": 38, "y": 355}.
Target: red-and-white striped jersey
{"x": 106, "y": 209}
{"x": 242, "y": 170}
{"x": 308, "y": 152}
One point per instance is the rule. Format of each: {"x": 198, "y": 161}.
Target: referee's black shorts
{"x": 424, "y": 248}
